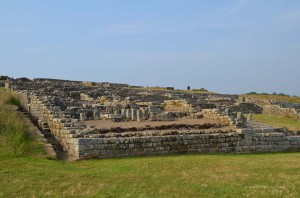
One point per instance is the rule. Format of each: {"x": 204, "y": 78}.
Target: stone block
{"x": 140, "y": 115}
{"x": 134, "y": 115}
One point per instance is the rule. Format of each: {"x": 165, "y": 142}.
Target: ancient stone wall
{"x": 177, "y": 106}
{"x": 58, "y": 123}
{"x": 279, "y": 111}
{"x": 277, "y": 108}
{"x": 258, "y": 101}
{"x": 246, "y": 108}
{"x": 49, "y": 120}
{"x": 242, "y": 141}
{"x": 214, "y": 115}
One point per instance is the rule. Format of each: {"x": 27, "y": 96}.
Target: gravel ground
{"x": 108, "y": 124}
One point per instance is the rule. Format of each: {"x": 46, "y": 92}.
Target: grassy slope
{"x": 274, "y": 97}
{"x": 259, "y": 175}
{"x": 277, "y": 121}
{"x": 14, "y": 139}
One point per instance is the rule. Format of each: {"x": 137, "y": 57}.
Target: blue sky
{"x": 232, "y": 46}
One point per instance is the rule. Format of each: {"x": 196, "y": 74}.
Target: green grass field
{"x": 277, "y": 121}
{"x": 263, "y": 175}
{"x": 32, "y": 174}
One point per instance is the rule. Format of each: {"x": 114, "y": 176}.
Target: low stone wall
{"x": 50, "y": 120}
{"x": 242, "y": 141}
{"x": 177, "y": 106}
{"x": 214, "y": 115}
{"x": 279, "y": 111}
{"x": 246, "y": 108}
{"x": 277, "y": 108}
{"x": 258, "y": 101}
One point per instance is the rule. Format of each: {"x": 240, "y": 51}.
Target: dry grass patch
{"x": 277, "y": 121}
{"x": 273, "y": 97}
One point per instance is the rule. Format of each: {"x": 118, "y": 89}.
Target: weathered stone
{"x": 96, "y": 114}
{"x": 83, "y": 116}
{"x": 128, "y": 114}
{"x": 50, "y": 105}
{"x": 134, "y": 114}
{"x": 140, "y": 115}
{"x": 153, "y": 116}
{"x": 249, "y": 118}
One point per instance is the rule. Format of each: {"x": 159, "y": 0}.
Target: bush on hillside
{"x": 14, "y": 101}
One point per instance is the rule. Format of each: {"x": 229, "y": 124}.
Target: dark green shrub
{"x": 14, "y": 101}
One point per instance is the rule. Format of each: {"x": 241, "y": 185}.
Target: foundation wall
{"x": 241, "y": 141}
{"x": 283, "y": 112}
{"x": 277, "y": 108}
{"x": 49, "y": 121}
{"x": 214, "y": 115}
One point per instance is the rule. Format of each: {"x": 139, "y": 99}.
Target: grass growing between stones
{"x": 31, "y": 174}
{"x": 277, "y": 121}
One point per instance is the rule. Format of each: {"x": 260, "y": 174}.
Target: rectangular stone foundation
{"x": 243, "y": 141}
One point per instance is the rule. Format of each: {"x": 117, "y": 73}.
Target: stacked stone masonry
{"x": 277, "y": 108}
{"x": 241, "y": 141}
{"x": 280, "y": 111}
{"x": 48, "y": 120}
{"x": 53, "y": 117}
{"x": 215, "y": 115}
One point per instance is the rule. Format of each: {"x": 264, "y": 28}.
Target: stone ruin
{"x": 106, "y": 120}
{"x": 273, "y": 107}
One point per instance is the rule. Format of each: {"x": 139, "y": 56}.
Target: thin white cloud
{"x": 292, "y": 16}
{"x": 213, "y": 26}
{"x": 43, "y": 49}
{"x": 133, "y": 28}
{"x": 287, "y": 21}
{"x": 238, "y": 7}
{"x": 138, "y": 28}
